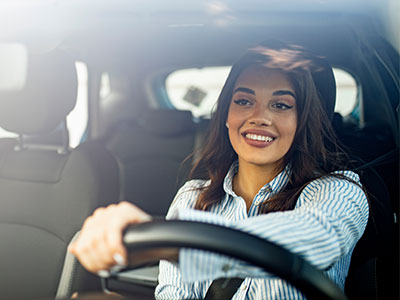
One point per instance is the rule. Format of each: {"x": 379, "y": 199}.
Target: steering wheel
{"x": 237, "y": 244}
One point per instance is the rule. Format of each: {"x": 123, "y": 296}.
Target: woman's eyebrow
{"x": 246, "y": 90}
{"x": 283, "y": 92}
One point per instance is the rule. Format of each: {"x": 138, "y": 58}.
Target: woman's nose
{"x": 260, "y": 117}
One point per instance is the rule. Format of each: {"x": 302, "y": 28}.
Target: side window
{"x": 346, "y": 92}
{"x": 197, "y": 90}
{"x": 78, "y": 117}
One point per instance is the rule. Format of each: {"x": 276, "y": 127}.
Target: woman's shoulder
{"x": 187, "y": 195}
{"x": 338, "y": 176}
{"x": 337, "y": 180}
{"x": 339, "y": 191}
{"x": 347, "y": 175}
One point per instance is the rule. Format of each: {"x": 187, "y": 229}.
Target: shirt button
{"x": 244, "y": 287}
{"x": 267, "y": 189}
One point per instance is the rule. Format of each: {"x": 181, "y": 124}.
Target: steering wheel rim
{"x": 184, "y": 234}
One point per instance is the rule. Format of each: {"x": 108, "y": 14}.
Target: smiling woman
{"x": 262, "y": 121}
{"x": 295, "y": 88}
{"x": 270, "y": 174}
{"x": 276, "y": 173}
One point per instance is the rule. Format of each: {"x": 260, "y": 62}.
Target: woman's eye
{"x": 281, "y": 106}
{"x": 242, "y": 102}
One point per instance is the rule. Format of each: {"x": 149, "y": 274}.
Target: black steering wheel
{"x": 256, "y": 251}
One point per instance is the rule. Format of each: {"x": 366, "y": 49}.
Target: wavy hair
{"x": 314, "y": 152}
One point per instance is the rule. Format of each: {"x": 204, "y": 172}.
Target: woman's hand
{"x": 99, "y": 245}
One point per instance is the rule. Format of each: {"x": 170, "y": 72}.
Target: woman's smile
{"x": 258, "y": 138}
{"x": 262, "y": 117}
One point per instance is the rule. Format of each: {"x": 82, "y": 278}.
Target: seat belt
{"x": 223, "y": 288}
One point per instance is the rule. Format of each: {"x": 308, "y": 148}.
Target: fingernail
{"x": 119, "y": 259}
{"x": 116, "y": 269}
{"x": 103, "y": 273}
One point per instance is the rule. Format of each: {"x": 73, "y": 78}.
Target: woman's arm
{"x": 99, "y": 246}
{"x": 329, "y": 218}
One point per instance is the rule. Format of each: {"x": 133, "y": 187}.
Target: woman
{"x": 274, "y": 171}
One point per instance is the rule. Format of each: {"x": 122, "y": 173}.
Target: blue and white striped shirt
{"x": 329, "y": 218}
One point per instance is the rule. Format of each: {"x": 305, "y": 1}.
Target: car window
{"x": 197, "y": 89}
{"x": 78, "y": 117}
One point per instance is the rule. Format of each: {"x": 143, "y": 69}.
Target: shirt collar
{"x": 228, "y": 181}
{"x": 274, "y": 186}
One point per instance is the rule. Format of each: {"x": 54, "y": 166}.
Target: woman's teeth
{"x": 257, "y": 137}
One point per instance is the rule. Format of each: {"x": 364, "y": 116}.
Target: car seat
{"x": 372, "y": 251}
{"x": 150, "y": 150}
{"x": 371, "y": 274}
{"x": 47, "y": 189}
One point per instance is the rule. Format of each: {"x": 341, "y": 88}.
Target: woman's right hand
{"x": 99, "y": 245}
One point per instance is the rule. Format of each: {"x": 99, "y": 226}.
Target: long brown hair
{"x": 314, "y": 152}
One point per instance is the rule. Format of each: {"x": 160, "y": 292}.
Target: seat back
{"x": 371, "y": 271}
{"x": 47, "y": 189}
{"x": 371, "y": 274}
{"x": 150, "y": 151}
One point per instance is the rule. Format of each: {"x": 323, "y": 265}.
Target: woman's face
{"x": 262, "y": 117}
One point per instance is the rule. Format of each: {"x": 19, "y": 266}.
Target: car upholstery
{"x": 47, "y": 189}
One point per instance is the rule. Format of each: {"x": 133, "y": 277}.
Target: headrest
{"x": 166, "y": 122}
{"x": 325, "y": 84}
{"x": 48, "y": 96}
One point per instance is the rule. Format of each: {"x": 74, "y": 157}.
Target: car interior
{"x": 137, "y": 146}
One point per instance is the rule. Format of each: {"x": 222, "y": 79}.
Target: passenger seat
{"x": 47, "y": 190}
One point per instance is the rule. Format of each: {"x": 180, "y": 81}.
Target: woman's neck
{"x": 250, "y": 179}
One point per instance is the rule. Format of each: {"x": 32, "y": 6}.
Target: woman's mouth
{"x": 258, "y": 140}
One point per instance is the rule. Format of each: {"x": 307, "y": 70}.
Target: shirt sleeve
{"x": 170, "y": 284}
{"x": 329, "y": 218}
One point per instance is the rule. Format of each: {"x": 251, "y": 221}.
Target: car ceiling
{"x": 122, "y": 26}
{"x": 149, "y": 36}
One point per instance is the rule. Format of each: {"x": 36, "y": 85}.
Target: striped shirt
{"x": 329, "y": 218}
